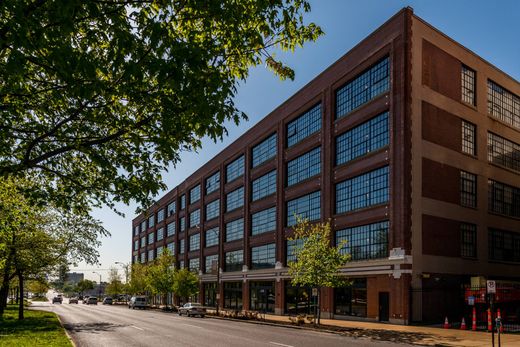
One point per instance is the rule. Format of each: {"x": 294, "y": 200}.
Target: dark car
{"x": 73, "y": 300}
{"x": 92, "y": 300}
{"x": 107, "y": 301}
{"x": 192, "y": 309}
{"x": 56, "y": 299}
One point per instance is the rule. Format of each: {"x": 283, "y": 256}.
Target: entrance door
{"x": 384, "y": 306}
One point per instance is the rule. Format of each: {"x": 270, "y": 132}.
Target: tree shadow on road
{"x": 91, "y": 327}
{"x": 395, "y": 336}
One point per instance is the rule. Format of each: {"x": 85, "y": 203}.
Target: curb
{"x": 66, "y": 332}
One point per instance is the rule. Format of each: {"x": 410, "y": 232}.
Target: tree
{"x": 38, "y": 287}
{"x": 185, "y": 283}
{"x": 115, "y": 285}
{"x": 317, "y": 262}
{"x": 98, "y": 97}
{"x": 138, "y": 279}
{"x": 160, "y": 275}
{"x": 84, "y": 285}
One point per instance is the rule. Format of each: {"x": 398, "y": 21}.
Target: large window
{"x": 235, "y": 169}
{"x": 210, "y": 294}
{"x": 182, "y": 224}
{"x": 171, "y": 208}
{"x": 303, "y": 167}
{"x": 264, "y": 151}
{"x": 235, "y": 230}
{"x": 151, "y": 238}
{"x": 143, "y": 241}
{"x": 298, "y": 300}
{"x": 362, "y": 191}
{"x": 468, "y": 189}
{"x": 504, "y": 245}
{"x": 194, "y": 264}
{"x": 213, "y": 182}
{"x": 151, "y": 254}
{"x": 213, "y": 209}
{"x": 263, "y": 221}
{"x": 503, "y": 104}
{"x": 183, "y": 202}
{"x": 151, "y": 221}
{"x": 143, "y": 225}
{"x": 261, "y": 296}
{"x": 468, "y": 85}
{"x": 235, "y": 199}
{"x": 304, "y": 126}
{"x": 208, "y": 266}
{"x": 195, "y": 194}
{"x": 194, "y": 242}
{"x": 136, "y": 245}
{"x": 263, "y": 257}
{"x": 143, "y": 257}
{"x": 181, "y": 246}
{"x": 468, "y": 240}
{"x": 233, "y": 295}
{"x": 292, "y": 247}
{"x": 365, "y": 241}
{"x": 351, "y": 300}
{"x": 171, "y": 248}
{"x": 264, "y": 186}
{"x": 170, "y": 229}
{"x": 234, "y": 260}
{"x": 306, "y": 207}
{"x": 503, "y": 152}
{"x": 503, "y": 199}
{"x": 195, "y": 218}
{"x": 160, "y": 215}
{"x": 366, "y": 86}
{"x": 212, "y": 236}
{"x": 468, "y": 138}
{"x": 363, "y": 139}
{"x": 136, "y": 230}
{"x": 160, "y": 234}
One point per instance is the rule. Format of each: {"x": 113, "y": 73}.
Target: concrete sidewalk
{"x": 420, "y": 335}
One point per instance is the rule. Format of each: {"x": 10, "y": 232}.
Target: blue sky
{"x": 491, "y": 29}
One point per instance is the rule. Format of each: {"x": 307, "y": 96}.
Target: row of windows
{"x": 264, "y": 186}
{"x": 503, "y": 199}
{"x": 235, "y": 169}
{"x": 468, "y": 138}
{"x": 235, "y": 230}
{"x": 195, "y": 218}
{"x": 195, "y": 194}
{"x": 365, "y": 241}
{"x": 468, "y": 85}
{"x": 304, "y": 126}
{"x": 264, "y": 151}
{"x": 503, "y": 152}
{"x": 504, "y": 245}
{"x": 213, "y": 209}
{"x": 503, "y": 104}
{"x": 235, "y": 199}
{"x": 263, "y": 221}
{"x": 304, "y": 167}
{"x": 468, "y": 189}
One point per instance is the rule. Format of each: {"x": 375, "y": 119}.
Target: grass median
{"x": 39, "y": 328}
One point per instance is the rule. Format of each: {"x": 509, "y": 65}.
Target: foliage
{"x": 186, "y": 283}
{"x": 98, "y": 97}
{"x": 115, "y": 285}
{"x": 39, "y": 328}
{"x": 138, "y": 279}
{"x": 84, "y": 285}
{"x": 160, "y": 275}
{"x": 317, "y": 262}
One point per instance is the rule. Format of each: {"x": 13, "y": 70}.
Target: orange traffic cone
{"x": 446, "y": 324}
{"x": 474, "y": 320}
{"x": 463, "y": 324}
{"x": 490, "y": 324}
{"x": 500, "y": 317}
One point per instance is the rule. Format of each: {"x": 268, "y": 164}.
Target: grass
{"x": 39, "y": 328}
{"x": 40, "y": 298}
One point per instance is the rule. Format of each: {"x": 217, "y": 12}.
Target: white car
{"x": 138, "y": 301}
{"x": 192, "y": 309}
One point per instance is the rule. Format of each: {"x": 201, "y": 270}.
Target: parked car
{"x": 57, "y": 299}
{"x": 92, "y": 300}
{"x": 73, "y": 300}
{"x": 107, "y": 301}
{"x": 192, "y": 309}
{"x": 85, "y": 299}
{"x": 138, "y": 301}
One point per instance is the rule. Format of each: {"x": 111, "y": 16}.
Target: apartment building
{"x": 409, "y": 144}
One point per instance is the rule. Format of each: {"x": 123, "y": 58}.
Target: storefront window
{"x": 261, "y": 296}
{"x": 351, "y": 300}
{"x": 298, "y": 300}
{"x": 233, "y": 295}
{"x": 210, "y": 294}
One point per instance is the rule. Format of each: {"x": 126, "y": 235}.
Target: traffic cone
{"x": 463, "y": 324}
{"x": 446, "y": 324}
{"x": 490, "y": 324}
{"x": 474, "y": 320}
{"x": 500, "y": 317}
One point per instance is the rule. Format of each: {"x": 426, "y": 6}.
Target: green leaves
{"x": 98, "y": 98}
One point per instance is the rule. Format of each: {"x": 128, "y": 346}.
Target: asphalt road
{"x": 114, "y": 326}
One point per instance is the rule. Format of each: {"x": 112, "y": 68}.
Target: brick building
{"x": 409, "y": 144}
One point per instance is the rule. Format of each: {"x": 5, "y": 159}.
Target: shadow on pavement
{"x": 91, "y": 327}
{"x": 394, "y": 336}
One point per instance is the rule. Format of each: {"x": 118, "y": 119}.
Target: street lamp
{"x": 99, "y": 282}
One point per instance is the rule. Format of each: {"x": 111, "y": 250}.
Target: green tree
{"x": 160, "y": 275}
{"x": 85, "y": 285}
{"x": 138, "y": 283}
{"x": 98, "y": 97}
{"x": 317, "y": 263}
{"x": 38, "y": 287}
{"x": 185, "y": 284}
{"x": 115, "y": 284}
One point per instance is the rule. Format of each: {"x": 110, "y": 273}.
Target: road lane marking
{"x": 133, "y": 326}
{"x": 280, "y": 344}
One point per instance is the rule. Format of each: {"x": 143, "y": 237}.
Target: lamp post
{"x": 99, "y": 282}
{"x": 125, "y": 267}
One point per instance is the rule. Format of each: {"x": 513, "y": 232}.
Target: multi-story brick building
{"x": 409, "y": 144}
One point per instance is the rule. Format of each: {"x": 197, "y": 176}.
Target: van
{"x": 138, "y": 301}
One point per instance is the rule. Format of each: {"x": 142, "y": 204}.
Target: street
{"x": 119, "y": 326}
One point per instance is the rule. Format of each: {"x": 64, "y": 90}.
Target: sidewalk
{"x": 419, "y": 335}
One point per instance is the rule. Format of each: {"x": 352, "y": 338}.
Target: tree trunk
{"x": 20, "y": 304}
{"x": 4, "y": 288}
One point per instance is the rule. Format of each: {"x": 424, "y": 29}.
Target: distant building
{"x": 74, "y": 277}
{"x": 410, "y": 146}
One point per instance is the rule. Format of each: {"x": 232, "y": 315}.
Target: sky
{"x": 491, "y": 29}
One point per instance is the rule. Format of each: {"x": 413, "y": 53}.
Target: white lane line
{"x": 279, "y": 344}
{"x": 133, "y": 326}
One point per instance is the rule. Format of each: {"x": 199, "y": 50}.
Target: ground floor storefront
{"x": 377, "y": 298}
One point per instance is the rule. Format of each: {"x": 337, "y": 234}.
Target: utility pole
{"x": 99, "y": 283}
